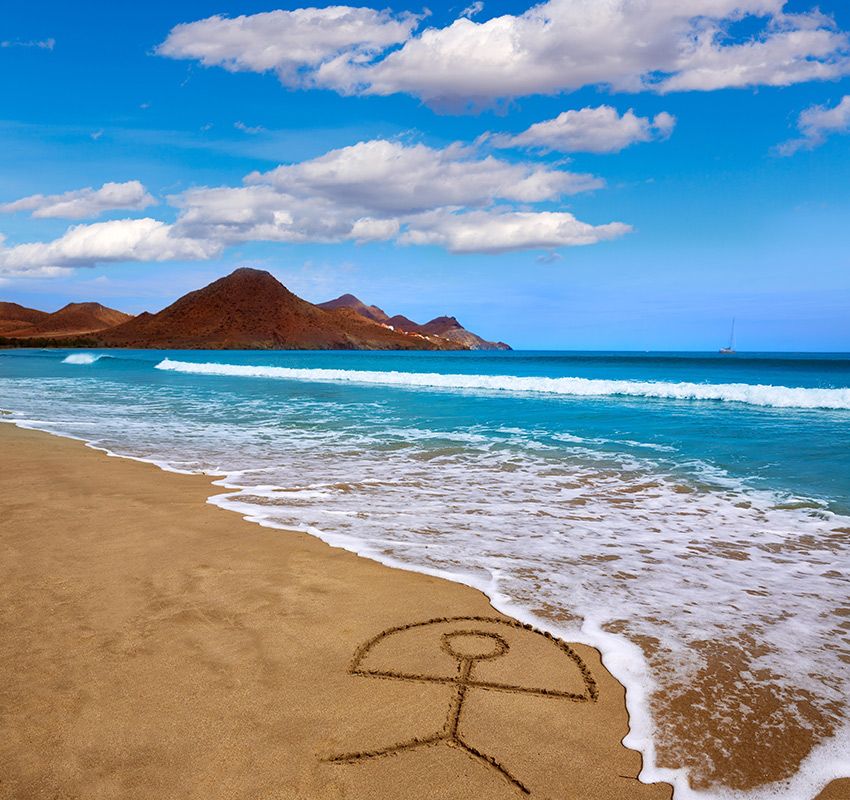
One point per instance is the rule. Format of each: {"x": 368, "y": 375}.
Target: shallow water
{"x": 689, "y": 514}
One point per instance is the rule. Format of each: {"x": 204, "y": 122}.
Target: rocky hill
{"x": 350, "y": 301}
{"x": 248, "y": 309}
{"x": 14, "y": 317}
{"x": 251, "y": 309}
{"x": 447, "y": 328}
{"x": 75, "y": 319}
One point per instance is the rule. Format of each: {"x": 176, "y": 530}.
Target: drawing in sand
{"x": 468, "y": 647}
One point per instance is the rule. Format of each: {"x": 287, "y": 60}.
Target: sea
{"x": 686, "y": 513}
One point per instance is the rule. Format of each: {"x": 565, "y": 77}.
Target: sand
{"x": 154, "y": 646}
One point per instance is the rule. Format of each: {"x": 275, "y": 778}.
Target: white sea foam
{"x": 751, "y": 394}
{"x": 82, "y": 358}
{"x": 432, "y": 518}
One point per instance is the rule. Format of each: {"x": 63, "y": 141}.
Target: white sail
{"x": 730, "y": 348}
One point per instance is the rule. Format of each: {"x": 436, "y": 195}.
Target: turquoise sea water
{"x": 612, "y": 497}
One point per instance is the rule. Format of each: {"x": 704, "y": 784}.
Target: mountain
{"x": 251, "y": 309}
{"x": 446, "y": 328}
{"x": 350, "y": 301}
{"x": 248, "y": 309}
{"x": 78, "y": 318}
{"x": 449, "y": 328}
{"x": 72, "y": 320}
{"x": 404, "y": 324}
{"x": 16, "y": 317}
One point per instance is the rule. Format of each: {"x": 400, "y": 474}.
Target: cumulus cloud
{"x": 290, "y": 43}
{"x": 591, "y": 130}
{"x": 366, "y": 191}
{"x": 392, "y": 177}
{"x": 629, "y": 45}
{"x": 502, "y": 231}
{"x": 377, "y": 190}
{"x": 555, "y": 46}
{"x": 367, "y": 229}
{"x": 117, "y": 240}
{"x": 815, "y": 124}
{"x": 82, "y": 203}
{"x": 261, "y": 213}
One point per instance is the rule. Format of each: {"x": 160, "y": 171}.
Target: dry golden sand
{"x": 154, "y": 646}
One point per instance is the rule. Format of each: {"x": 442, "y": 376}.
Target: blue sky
{"x": 739, "y": 207}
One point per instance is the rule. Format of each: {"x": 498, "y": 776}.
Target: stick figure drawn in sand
{"x": 468, "y": 647}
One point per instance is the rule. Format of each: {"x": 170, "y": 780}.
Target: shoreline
{"x": 122, "y": 599}
{"x": 633, "y": 741}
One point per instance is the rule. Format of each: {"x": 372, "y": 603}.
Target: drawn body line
{"x": 467, "y": 646}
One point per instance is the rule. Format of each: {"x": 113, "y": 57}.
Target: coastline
{"x": 155, "y": 645}
{"x": 39, "y": 449}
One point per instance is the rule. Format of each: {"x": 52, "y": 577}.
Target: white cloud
{"x": 630, "y": 45}
{"x": 473, "y": 9}
{"x": 82, "y": 203}
{"x": 591, "y": 130}
{"x": 390, "y": 177}
{"x": 250, "y": 129}
{"x": 367, "y": 229}
{"x": 289, "y": 43}
{"x": 500, "y": 231}
{"x": 366, "y": 191}
{"x": 794, "y": 48}
{"x": 555, "y": 46}
{"x": 815, "y": 124}
{"x": 261, "y": 213}
{"x": 118, "y": 240}
{"x": 371, "y": 191}
{"x": 33, "y": 272}
{"x": 40, "y": 44}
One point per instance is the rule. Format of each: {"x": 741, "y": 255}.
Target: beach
{"x": 156, "y": 646}
{"x": 403, "y": 402}
{"x": 696, "y": 544}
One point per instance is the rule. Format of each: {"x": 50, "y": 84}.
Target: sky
{"x": 576, "y": 174}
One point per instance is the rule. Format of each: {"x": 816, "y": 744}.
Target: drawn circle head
{"x": 474, "y": 645}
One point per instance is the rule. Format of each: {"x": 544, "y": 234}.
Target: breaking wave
{"x": 82, "y": 358}
{"x": 750, "y": 394}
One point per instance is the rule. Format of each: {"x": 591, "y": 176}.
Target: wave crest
{"x": 81, "y": 358}
{"x": 750, "y": 394}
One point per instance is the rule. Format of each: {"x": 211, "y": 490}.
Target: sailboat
{"x": 731, "y": 347}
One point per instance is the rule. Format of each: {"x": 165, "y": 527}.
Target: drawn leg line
{"x": 412, "y": 744}
{"x": 490, "y": 761}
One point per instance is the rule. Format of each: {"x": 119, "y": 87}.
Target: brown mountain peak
{"x": 18, "y": 313}
{"x": 247, "y": 279}
{"x": 250, "y": 308}
{"x": 440, "y": 325}
{"x": 15, "y": 318}
{"x": 403, "y": 323}
{"x": 250, "y": 274}
{"x": 355, "y": 304}
{"x": 74, "y": 319}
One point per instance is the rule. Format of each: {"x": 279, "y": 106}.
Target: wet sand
{"x": 156, "y": 646}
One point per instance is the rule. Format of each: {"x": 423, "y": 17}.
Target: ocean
{"x": 687, "y": 513}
